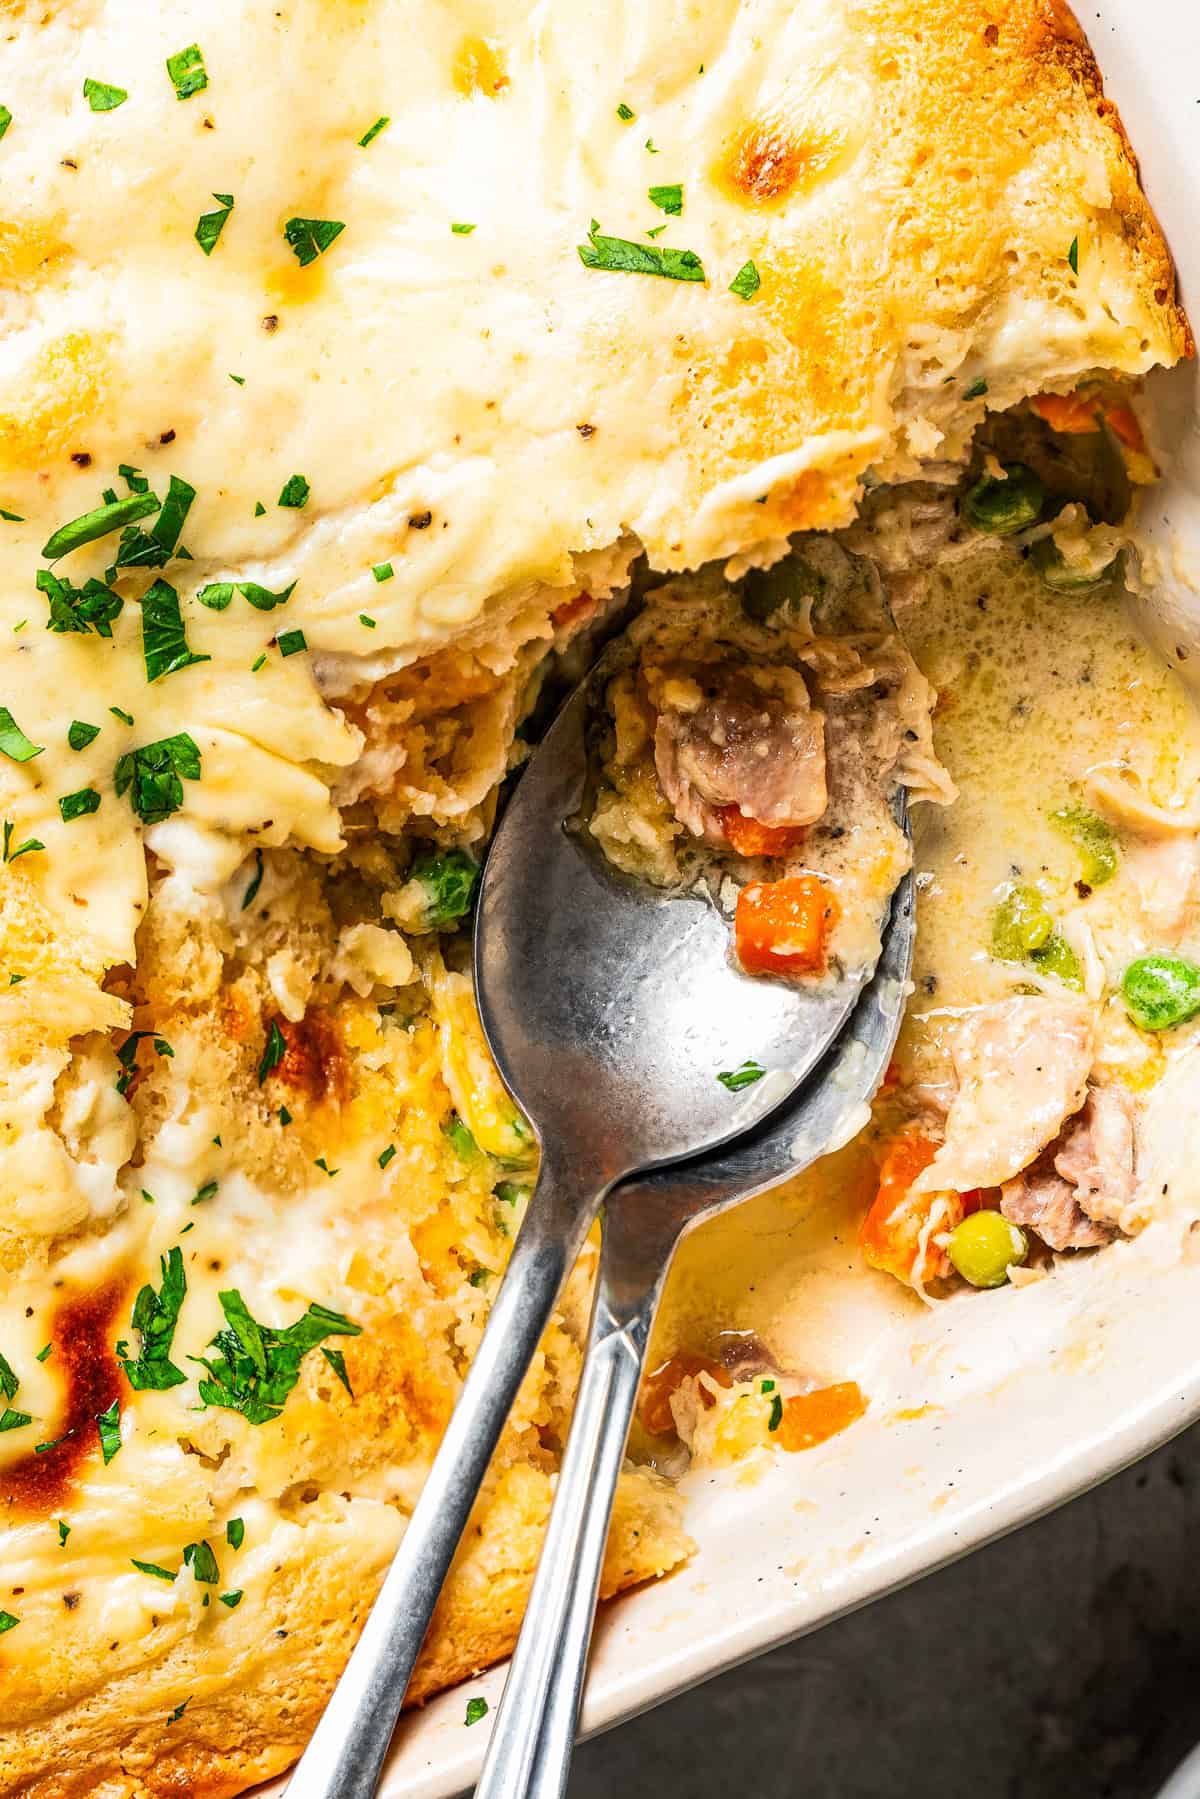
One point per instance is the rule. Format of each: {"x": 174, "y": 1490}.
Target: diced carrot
{"x": 1070, "y": 414}
{"x": 783, "y": 927}
{"x": 654, "y": 1406}
{"x": 811, "y": 1418}
{"x": 572, "y": 611}
{"x": 1124, "y": 424}
{"x": 890, "y": 1234}
{"x": 750, "y": 838}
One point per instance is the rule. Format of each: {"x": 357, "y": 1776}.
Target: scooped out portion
{"x": 755, "y": 734}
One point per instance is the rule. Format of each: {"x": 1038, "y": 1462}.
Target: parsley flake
{"x": 372, "y": 131}
{"x": 746, "y": 282}
{"x": 187, "y": 72}
{"x": 5, "y": 122}
{"x": 23, "y": 849}
{"x": 13, "y": 742}
{"x": 44, "y": 1354}
{"x": 290, "y": 643}
{"x": 251, "y": 892}
{"x": 108, "y": 1423}
{"x": 365, "y": 619}
{"x": 127, "y": 1057}
{"x": 256, "y": 1366}
{"x": 260, "y": 510}
{"x": 310, "y": 238}
{"x": 12, "y": 1420}
{"x": 64, "y": 1531}
{"x": 126, "y": 718}
{"x": 174, "y": 1717}
{"x": 476, "y": 1709}
{"x": 976, "y": 390}
{"x": 231, "y": 1599}
{"x": 154, "y": 1317}
{"x": 210, "y": 225}
{"x": 668, "y": 198}
{"x": 100, "y": 522}
{"x": 383, "y": 571}
{"x": 202, "y": 1562}
{"x": 8, "y": 1622}
{"x": 206, "y": 1192}
{"x": 625, "y": 113}
{"x": 295, "y": 492}
{"x": 1073, "y": 256}
{"x": 285, "y": 1116}
{"x": 14, "y": 518}
{"x": 102, "y": 98}
{"x": 164, "y": 634}
{"x": 273, "y": 1054}
{"x": 386, "y": 1155}
{"x": 235, "y": 1532}
{"x": 650, "y": 145}
{"x": 337, "y": 1362}
{"x": 776, "y": 1418}
{"x": 79, "y": 804}
{"x": 91, "y": 607}
{"x": 240, "y": 379}
{"x": 261, "y": 598}
{"x": 462, "y": 230}
{"x": 153, "y": 775}
{"x": 745, "y": 1076}
{"x": 217, "y": 596}
{"x": 323, "y": 1165}
{"x": 9, "y": 1380}
{"x": 620, "y": 254}
{"x": 152, "y": 1568}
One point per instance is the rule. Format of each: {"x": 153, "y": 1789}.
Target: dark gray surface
{"x": 1060, "y": 1663}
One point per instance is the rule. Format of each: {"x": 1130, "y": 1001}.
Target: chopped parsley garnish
{"x": 153, "y": 1569}
{"x": 745, "y": 1076}
{"x": 9, "y": 1379}
{"x": 14, "y": 518}
{"x": 174, "y": 1717}
{"x": 256, "y": 1367}
{"x": 260, "y": 510}
{"x": 79, "y": 735}
{"x": 98, "y": 523}
{"x": 383, "y": 571}
{"x": 623, "y": 256}
{"x": 164, "y": 634}
{"x": 461, "y": 1140}
{"x": 625, "y": 113}
{"x": 372, "y": 131}
{"x": 44, "y": 1354}
{"x": 126, "y": 718}
{"x": 251, "y": 892}
{"x": 295, "y": 492}
{"x": 207, "y": 1191}
{"x": 8, "y": 1622}
{"x": 102, "y": 98}
{"x": 210, "y": 225}
{"x": 476, "y": 1709}
{"x": 240, "y": 379}
{"x": 668, "y": 198}
{"x": 64, "y": 1531}
{"x": 127, "y": 1056}
{"x": 5, "y": 122}
{"x": 310, "y": 238}
{"x": 657, "y": 230}
{"x": 109, "y": 1425}
{"x": 79, "y": 804}
{"x": 169, "y": 524}
{"x": 261, "y": 598}
{"x": 364, "y": 618}
{"x": 383, "y": 1159}
{"x": 449, "y": 879}
{"x": 273, "y": 1054}
{"x": 231, "y": 1599}
{"x": 133, "y": 478}
{"x": 746, "y": 282}
{"x": 91, "y": 607}
{"x": 337, "y": 1362}
{"x": 766, "y": 1386}
{"x": 976, "y": 390}
{"x": 479, "y": 1277}
{"x": 290, "y": 643}
{"x": 285, "y": 1116}
{"x": 154, "y": 1317}
{"x": 153, "y": 776}
{"x": 187, "y": 72}
{"x": 1073, "y": 256}
{"x": 773, "y": 1422}
{"x": 12, "y": 1420}
{"x": 235, "y": 1532}
{"x": 217, "y": 596}
{"x": 650, "y": 145}
{"x": 22, "y": 849}
{"x": 462, "y": 230}
{"x": 13, "y": 742}
{"x": 202, "y": 1562}
{"x": 509, "y": 1192}
{"x": 323, "y": 1165}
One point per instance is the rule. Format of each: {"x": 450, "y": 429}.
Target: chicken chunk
{"x": 1022, "y": 1067}
{"x": 739, "y": 735}
{"x": 1075, "y": 1194}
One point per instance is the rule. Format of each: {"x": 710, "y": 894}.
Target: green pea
{"x": 984, "y": 1247}
{"x": 449, "y": 879}
{"x": 1061, "y": 576}
{"x": 1092, "y": 838}
{"x": 1022, "y": 923}
{"x": 1004, "y": 507}
{"x": 1161, "y": 991}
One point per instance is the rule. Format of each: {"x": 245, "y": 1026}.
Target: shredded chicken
{"x": 1075, "y": 1194}
{"x": 1022, "y": 1067}
{"x": 1042, "y": 1200}
{"x": 740, "y": 736}
{"x": 1119, "y": 795}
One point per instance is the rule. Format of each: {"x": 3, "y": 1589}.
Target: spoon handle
{"x": 347, "y": 1750}
{"x": 529, "y": 1754}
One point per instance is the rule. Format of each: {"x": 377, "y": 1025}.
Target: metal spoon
{"x": 529, "y": 1754}
{"x": 611, "y": 1011}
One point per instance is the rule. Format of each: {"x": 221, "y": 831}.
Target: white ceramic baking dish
{"x": 1025, "y": 1398}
